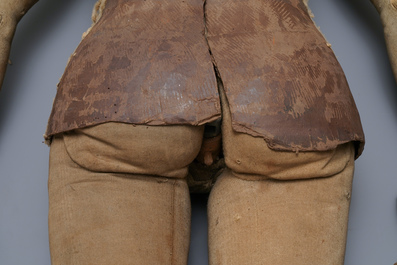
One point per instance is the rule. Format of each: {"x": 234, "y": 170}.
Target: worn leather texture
{"x": 281, "y": 78}
{"x": 156, "y": 63}
{"x": 144, "y": 62}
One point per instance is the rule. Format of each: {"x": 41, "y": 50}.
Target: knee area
{"x": 250, "y": 158}
{"x": 139, "y": 149}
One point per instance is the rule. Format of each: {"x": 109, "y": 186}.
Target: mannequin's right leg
{"x": 118, "y": 194}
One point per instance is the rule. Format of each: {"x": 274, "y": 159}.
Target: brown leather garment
{"x": 148, "y": 62}
{"x": 144, "y": 62}
{"x": 281, "y": 79}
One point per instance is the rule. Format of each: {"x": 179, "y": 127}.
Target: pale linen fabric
{"x": 118, "y": 195}
{"x": 277, "y": 208}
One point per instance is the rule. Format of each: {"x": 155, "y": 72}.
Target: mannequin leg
{"x": 279, "y": 222}
{"x": 276, "y": 208}
{"x": 118, "y": 195}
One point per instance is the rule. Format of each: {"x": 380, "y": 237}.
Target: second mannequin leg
{"x": 271, "y": 222}
{"x": 274, "y": 208}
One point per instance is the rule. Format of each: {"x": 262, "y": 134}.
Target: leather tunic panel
{"x": 144, "y": 62}
{"x": 152, "y": 62}
{"x": 281, "y": 78}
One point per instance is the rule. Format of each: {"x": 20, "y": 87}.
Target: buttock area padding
{"x": 139, "y": 149}
{"x": 99, "y": 216}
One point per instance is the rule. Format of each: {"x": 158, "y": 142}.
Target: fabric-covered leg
{"x": 279, "y": 222}
{"x": 276, "y": 208}
{"x": 118, "y": 194}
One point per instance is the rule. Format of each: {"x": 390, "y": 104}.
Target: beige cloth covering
{"x": 109, "y": 200}
{"x": 277, "y": 208}
{"x": 118, "y": 195}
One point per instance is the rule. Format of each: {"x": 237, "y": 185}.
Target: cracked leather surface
{"x": 152, "y": 62}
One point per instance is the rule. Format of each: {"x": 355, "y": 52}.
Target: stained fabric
{"x": 157, "y": 63}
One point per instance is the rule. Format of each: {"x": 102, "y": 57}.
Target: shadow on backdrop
{"x": 47, "y": 15}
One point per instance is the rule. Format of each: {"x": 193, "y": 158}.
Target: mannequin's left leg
{"x": 276, "y": 222}
{"x": 276, "y": 208}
